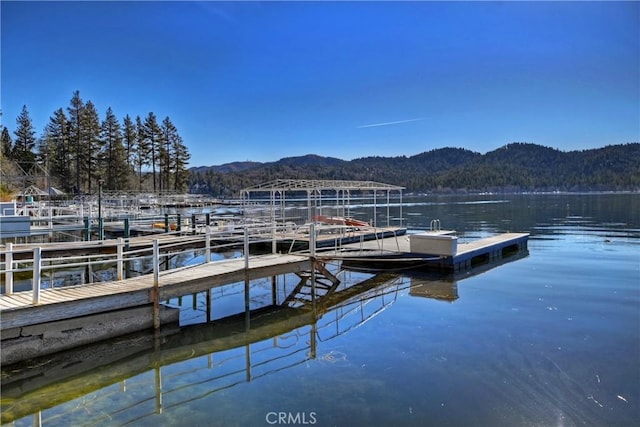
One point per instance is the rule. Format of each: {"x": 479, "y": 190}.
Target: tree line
{"x": 515, "y": 167}
{"x": 79, "y": 151}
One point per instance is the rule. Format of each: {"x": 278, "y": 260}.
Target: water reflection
{"x": 140, "y": 375}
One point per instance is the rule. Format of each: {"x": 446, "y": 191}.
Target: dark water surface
{"x": 551, "y": 339}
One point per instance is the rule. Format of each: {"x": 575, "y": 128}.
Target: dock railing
{"x": 150, "y": 254}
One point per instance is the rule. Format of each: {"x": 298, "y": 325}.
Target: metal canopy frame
{"x": 319, "y": 185}
{"x": 339, "y": 191}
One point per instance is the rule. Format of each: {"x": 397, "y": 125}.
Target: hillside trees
{"x": 514, "y": 167}
{"x": 77, "y": 149}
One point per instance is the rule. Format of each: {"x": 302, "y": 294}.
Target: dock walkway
{"x": 398, "y": 249}
{"x": 17, "y": 310}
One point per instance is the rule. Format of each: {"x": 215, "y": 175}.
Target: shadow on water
{"x": 234, "y": 349}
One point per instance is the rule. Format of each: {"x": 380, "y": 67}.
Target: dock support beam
{"x": 8, "y": 275}
{"x": 207, "y": 246}
{"x": 120, "y": 256}
{"x": 37, "y": 267}
{"x": 156, "y": 283}
{"x": 246, "y": 248}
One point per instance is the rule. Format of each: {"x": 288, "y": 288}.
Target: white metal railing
{"x": 159, "y": 249}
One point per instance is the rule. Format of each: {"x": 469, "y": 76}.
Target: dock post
{"x": 87, "y": 229}
{"x": 193, "y": 224}
{"x": 156, "y": 282}
{"x": 8, "y": 266}
{"x": 312, "y": 240}
{"x": 274, "y": 245}
{"x": 179, "y": 223}
{"x": 120, "y": 261}
{"x": 37, "y": 266}
{"x": 127, "y": 229}
{"x": 166, "y": 223}
{"x": 207, "y": 246}
{"x": 207, "y": 219}
{"x": 246, "y": 248}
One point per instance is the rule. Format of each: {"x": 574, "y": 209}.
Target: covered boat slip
{"x": 341, "y": 211}
{"x": 301, "y": 201}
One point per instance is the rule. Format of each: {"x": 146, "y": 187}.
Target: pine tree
{"x": 153, "y": 136}
{"x": 6, "y": 144}
{"x": 25, "y": 143}
{"x": 92, "y": 146}
{"x": 56, "y": 150}
{"x": 180, "y": 159}
{"x": 114, "y": 164}
{"x": 141, "y": 152}
{"x": 129, "y": 137}
{"x": 169, "y": 135}
{"x": 75, "y": 110}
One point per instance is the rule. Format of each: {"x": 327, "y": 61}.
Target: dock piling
{"x": 37, "y": 268}
{"x": 120, "y": 262}
{"x": 8, "y": 275}
{"x": 246, "y": 247}
{"x": 207, "y": 246}
{"x": 156, "y": 283}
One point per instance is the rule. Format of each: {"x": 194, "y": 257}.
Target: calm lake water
{"x": 550, "y": 339}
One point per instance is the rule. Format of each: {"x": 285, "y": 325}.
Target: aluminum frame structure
{"x": 317, "y": 193}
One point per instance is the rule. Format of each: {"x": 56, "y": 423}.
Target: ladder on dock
{"x": 324, "y": 282}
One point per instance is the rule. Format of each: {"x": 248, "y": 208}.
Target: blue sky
{"x": 264, "y": 80}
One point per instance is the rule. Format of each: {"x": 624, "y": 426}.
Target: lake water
{"x": 550, "y": 339}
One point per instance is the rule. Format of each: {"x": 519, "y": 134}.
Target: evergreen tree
{"x": 129, "y": 137}
{"x": 92, "y": 147}
{"x": 75, "y": 111}
{"x": 113, "y": 160}
{"x": 141, "y": 152}
{"x": 6, "y": 144}
{"x": 169, "y": 135}
{"x": 23, "y": 150}
{"x": 57, "y": 149}
{"x": 180, "y": 159}
{"x": 153, "y": 137}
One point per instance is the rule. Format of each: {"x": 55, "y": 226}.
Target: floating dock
{"x": 434, "y": 250}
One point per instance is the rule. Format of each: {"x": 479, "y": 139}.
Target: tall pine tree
{"x": 75, "y": 110}
{"x": 92, "y": 144}
{"x": 129, "y": 139}
{"x": 23, "y": 151}
{"x": 57, "y": 150}
{"x": 113, "y": 159}
{"x": 153, "y": 137}
{"x": 6, "y": 145}
{"x": 142, "y": 152}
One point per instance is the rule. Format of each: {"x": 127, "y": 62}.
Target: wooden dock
{"x": 395, "y": 253}
{"x": 17, "y": 310}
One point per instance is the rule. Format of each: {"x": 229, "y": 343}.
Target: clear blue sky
{"x": 262, "y": 81}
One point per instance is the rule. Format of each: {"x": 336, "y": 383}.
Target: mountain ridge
{"x": 516, "y": 166}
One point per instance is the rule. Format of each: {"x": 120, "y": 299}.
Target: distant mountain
{"x": 227, "y": 167}
{"x": 513, "y": 167}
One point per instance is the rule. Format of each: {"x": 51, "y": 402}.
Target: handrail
{"x": 162, "y": 248}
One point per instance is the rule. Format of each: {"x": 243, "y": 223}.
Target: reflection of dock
{"x": 254, "y": 343}
{"x": 232, "y": 350}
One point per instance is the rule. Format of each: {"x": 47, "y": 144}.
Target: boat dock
{"x": 409, "y": 251}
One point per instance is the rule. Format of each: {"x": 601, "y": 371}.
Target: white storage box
{"x": 433, "y": 244}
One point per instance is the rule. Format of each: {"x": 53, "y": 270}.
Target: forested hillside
{"x": 514, "y": 167}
